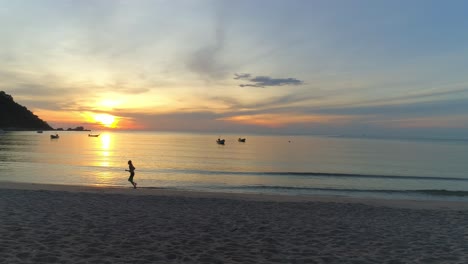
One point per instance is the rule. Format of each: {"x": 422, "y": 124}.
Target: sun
{"x": 106, "y": 120}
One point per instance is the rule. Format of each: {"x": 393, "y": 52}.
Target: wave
{"x": 431, "y": 192}
{"x": 320, "y": 174}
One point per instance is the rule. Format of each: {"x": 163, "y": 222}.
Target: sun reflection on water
{"x": 103, "y": 160}
{"x": 106, "y": 141}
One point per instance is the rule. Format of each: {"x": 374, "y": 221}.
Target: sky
{"x": 334, "y": 67}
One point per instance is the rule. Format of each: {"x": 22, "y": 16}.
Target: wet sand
{"x": 76, "y": 224}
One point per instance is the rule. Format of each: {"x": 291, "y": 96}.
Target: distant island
{"x": 14, "y": 116}
{"x": 79, "y": 128}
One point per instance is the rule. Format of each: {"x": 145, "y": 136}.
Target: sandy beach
{"x": 77, "y": 224}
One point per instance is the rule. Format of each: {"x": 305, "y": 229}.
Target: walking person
{"x": 131, "y": 169}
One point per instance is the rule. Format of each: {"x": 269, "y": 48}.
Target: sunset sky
{"x": 349, "y": 67}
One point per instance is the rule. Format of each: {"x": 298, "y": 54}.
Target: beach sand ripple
{"x": 66, "y": 227}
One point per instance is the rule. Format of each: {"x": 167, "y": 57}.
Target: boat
{"x": 241, "y": 140}
{"x": 220, "y": 141}
{"x": 93, "y": 135}
{"x": 54, "y": 136}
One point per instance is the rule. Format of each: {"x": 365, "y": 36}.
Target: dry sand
{"x": 73, "y": 224}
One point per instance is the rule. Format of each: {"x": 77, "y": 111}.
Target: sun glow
{"x": 109, "y": 103}
{"x": 106, "y": 120}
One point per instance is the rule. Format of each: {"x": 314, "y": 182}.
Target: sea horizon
{"x": 260, "y": 133}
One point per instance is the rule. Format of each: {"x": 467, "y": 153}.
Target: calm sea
{"x": 287, "y": 165}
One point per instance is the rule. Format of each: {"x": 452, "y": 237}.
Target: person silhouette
{"x": 131, "y": 169}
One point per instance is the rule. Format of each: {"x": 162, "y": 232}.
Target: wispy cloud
{"x": 273, "y": 104}
{"x": 431, "y": 108}
{"x": 242, "y": 76}
{"x": 205, "y": 61}
{"x": 264, "y": 81}
{"x": 285, "y": 119}
{"x": 444, "y": 121}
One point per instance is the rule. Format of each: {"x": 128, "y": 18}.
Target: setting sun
{"x": 106, "y": 120}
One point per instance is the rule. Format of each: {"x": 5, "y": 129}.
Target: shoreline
{"x": 393, "y": 203}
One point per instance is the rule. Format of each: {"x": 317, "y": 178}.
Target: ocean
{"x": 285, "y": 165}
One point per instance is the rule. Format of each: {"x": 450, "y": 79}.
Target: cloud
{"x": 430, "y": 108}
{"x": 242, "y": 76}
{"x": 206, "y": 61}
{"x": 264, "y": 81}
{"x": 275, "y": 104}
{"x": 124, "y": 87}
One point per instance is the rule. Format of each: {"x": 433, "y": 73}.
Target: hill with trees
{"x": 14, "y": 116}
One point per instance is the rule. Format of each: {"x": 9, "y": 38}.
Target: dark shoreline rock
{"x": 15, "y": 117}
